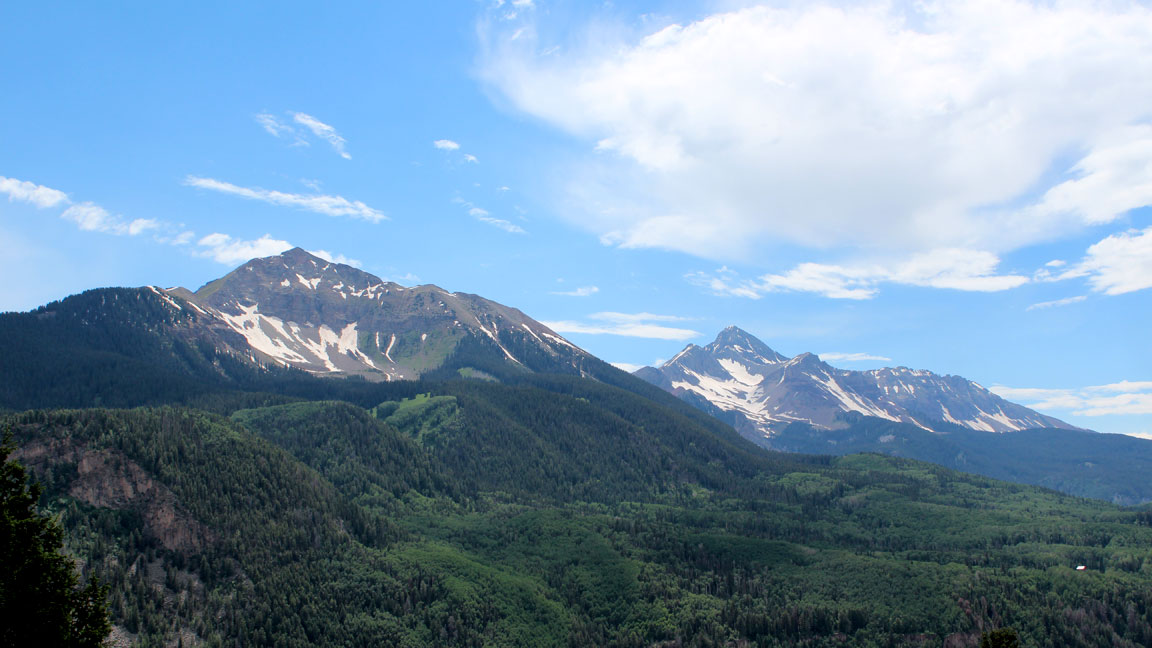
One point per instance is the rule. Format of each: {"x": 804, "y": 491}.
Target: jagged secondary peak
{"x": 739, "y": 374}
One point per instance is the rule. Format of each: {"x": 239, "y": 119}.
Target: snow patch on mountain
{"x": 739, "y": 374}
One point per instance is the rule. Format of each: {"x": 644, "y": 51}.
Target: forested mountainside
{"x": 1103, "y": 466}
{"x": 560, "y": 513}
{"x": 521, "y": 493}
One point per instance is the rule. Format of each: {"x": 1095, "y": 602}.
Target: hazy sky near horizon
{"x": 955, "y": 186}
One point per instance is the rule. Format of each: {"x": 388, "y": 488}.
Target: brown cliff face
{"x": 108, "y": 479}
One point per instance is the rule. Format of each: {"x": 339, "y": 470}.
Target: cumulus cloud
{"x": 94, "y": 218}
{"x": 894, "y": 126}
{"x": 956, "y": 269}
{"x": 30, "y": 192}
{"x": 230, "y": 251}
{"x": 1124, "y": 397}
{"x": 319, "y": 203}
{"x": 323, "y": 131}
{"x": 852, "y": 357}
{"x": 641, "y": 325}
{"x": 1119, "y": 264}
{"x": 583, "y": 291}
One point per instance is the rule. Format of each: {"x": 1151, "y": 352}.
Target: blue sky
{"x": 962, "y": 187}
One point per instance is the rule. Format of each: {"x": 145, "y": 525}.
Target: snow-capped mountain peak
{"x": 764, "y": 391}
{"x": 296, "y": 309}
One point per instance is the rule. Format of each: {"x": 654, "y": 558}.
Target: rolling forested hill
{"x": 557, "y": 512}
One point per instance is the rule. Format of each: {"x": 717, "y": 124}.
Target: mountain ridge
{"x": 761, "y": 391}
{"x": 296, "y": 309}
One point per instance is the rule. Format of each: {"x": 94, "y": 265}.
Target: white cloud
{"x": 94, "y": 218}
{"x": 446, "y": 145}
{"x": 406, "y": 278}
{"x": 335, "y": 258}
{"x": 1124, "y": 387}
{"x": 1125, "y": 397}
{"x": 273, "y": 126}
{"x": 1114, "y": 178}
{"x": 583, "y": 291}
{"x": 319, "y": 203}
{"x": 229, "y": 251}
{"x": 627, "y": 366}
{"x": 852, "y": 357}
{"x": 886, "y": 126}
{"x": 956, "y": 269}
{"x": 323, "y": 131}
{"x": 30, "y": 192}
{"x": 500, "y": 223}
{"x": 641, "y": 325}
{"x": 1057, "y": 302}
{"x": 1119, "y": 264}
{"x": 468, "y": 157}
{"x": 482, "y": 215}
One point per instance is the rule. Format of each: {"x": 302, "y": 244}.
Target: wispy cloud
{"x": 852, "y": 357}
{"x": 323, "y": 131}
{"x": 454, "y": 146}
{"x": 483, "y": 215}
{"x": 1124, "y": 397}
{"x": 280, "y": 128}
{"x": 954, "y": 269}
{"x": 94, "y": 218}
{"x": 319, "y": 203}
{"x": 90, "y": 217}
{"x": 1057, "y": 302}
{"x": 277, "y": 128}
{"x": 640, "y": 325}
{"x": 627, "y": 366}
{"x": 30, "y": 192}
{"x": 336, "y": 258}
{"x": 583, "y": 291}
{"x": 230, "y": 251}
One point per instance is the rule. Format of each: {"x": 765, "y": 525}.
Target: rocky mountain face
{"x": 760, "y": 391}
{"x": 298, "y": 310}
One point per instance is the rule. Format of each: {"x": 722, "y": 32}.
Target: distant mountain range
{"x": 276, "y": 324}
{"x": 761, "y": 392}
{"x": 301, "y": 454}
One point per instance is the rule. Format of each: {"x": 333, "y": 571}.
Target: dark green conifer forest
{"x": 555, "y": 511}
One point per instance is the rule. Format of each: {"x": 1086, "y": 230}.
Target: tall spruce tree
{"x": 41, "y": 601}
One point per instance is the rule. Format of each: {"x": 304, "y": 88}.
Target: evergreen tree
{"x": 41, "y": 601}
{"x": 1002, "y": 638}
